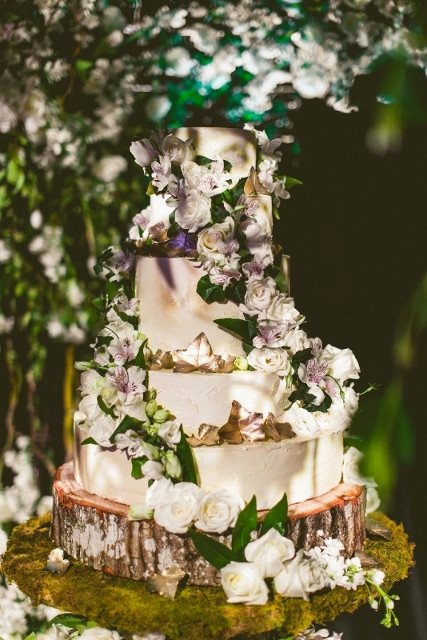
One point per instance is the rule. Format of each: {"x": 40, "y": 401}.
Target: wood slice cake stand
{"x": 97, "y": 531}
{"x": 196, "y": 613}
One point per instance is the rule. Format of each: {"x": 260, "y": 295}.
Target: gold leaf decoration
{"x": 158, "y": 232}
{"x": 197, "y": 354}
{"x": 242, "y": 425}
{"x": 253, "y": 185}
{"x": 366, "y": 560}
{"x": 375, "y": 528}
{"x": 278, "y": 430}
{"x": 161, "y": 360}
{"x": 208, "y": 436}
{"x": 167, "y": 582}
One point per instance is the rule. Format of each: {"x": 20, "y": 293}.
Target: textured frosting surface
{"x": 173, "y": 313}
{"x": 302, "y": 468}
{"x": 197, "y": 398}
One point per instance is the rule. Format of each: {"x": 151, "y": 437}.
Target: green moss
{"x": 196, "y": 612}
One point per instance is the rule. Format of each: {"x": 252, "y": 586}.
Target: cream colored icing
{"x": 303, "y": 468}
{"x": 173, "y": 313}
{"x": 197, "y": 398}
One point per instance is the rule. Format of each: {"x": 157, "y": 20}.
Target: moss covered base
{"x": 196, "y": 612}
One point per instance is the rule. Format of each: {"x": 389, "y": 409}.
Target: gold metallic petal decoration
{"x": 230, "y": 431}
{"x": 199, "y": 352}
{"x": 161, "y": 360}
{"x": 167, "y": 582}
{"x": 254, "y": 186}
{"x": 277, "y": 430}
{"x": 367, "y": 560}
{"x": 374, "y": 528}
{"x": 158, "y": 233}
{"x": 212, "y": 365}
{"x": 242, "y": 425}
{"x": 251, "y": 425}
{"x": 207, "y": 435}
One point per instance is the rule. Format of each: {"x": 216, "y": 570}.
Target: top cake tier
{"x": 236, "y": 146}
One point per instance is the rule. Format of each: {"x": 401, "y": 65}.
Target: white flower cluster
{"x": 112, "y": 393}
{"x": 18, "y": 501}
{"x": 295, "y": 574}
{"x": 179, "y": 506}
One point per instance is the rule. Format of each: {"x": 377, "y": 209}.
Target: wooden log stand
{"x": 98, "y": 533}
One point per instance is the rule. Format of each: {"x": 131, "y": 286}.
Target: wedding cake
{"x": 210, "y": 426}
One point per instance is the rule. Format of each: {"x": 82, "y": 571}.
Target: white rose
{"x": 299, "y": 577}
{"x": 211, "y": 240}
{"x": 269, "y": 553}
{"x": 372, "y": 500}
{"x": 270, "y": 360}
{"x": 350, "y": 470}
{"x": 97, "y": 633}
{"x": 333, "y": 420}
{"x": 242, "y": 582}
{"x": 177, "y": 150}
{"x": 180, "y": 509}
{"x": 342, "y": 363}
{"x": 193, "y": 212}
{"x": 303, "y": 422}
{"x": 351, "y": 400}
{"x": 143, "y": 152}
{"x": 282, "y": 309}
{"x": 259, "y": 294}
{"x": 218, "y": 510}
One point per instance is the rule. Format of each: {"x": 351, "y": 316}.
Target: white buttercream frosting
{"x": 303, "y": 468}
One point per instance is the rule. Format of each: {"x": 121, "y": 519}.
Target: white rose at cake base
{"x": 207, "y": 412}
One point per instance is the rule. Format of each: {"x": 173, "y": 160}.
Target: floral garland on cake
{"x": 213, "y": 220}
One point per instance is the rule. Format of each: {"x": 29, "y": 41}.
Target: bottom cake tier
{"x": 97, "y": 531}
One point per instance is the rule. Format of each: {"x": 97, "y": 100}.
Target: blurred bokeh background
{"x": 344, "y": 84}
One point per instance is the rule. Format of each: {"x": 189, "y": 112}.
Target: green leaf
{"x": 185, "y": 455}
{"x": 72, "y": 621}
{"x": 276, "y": 518}
{"x": 246, "y": 523}
{"x": 291, "y": 182}
{"x": 216, "y": 553}
{"x": 137, "y": 464}
{"x": 108, "y": 410}
{"x": 210, "y": 292}
{"x": 140, "y": 357}
{"x": 302, "y": 356}
{"x": 89, "y": 441}
{"x": 127, "y": 423}
{"x": 244, "y": 329}
{"x": 281, "y": 282}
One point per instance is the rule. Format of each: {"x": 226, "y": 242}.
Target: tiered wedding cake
{"x": 206, "y": 408}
